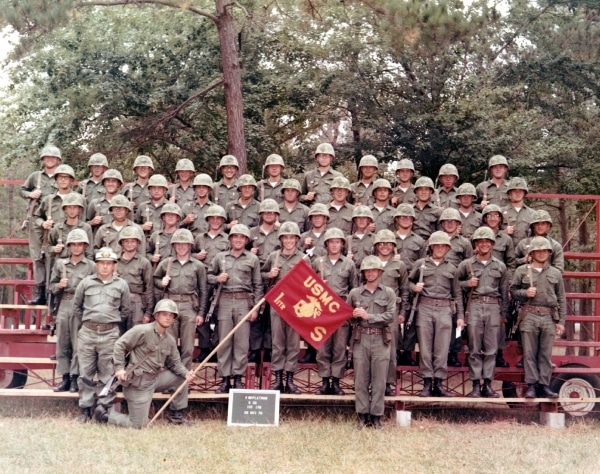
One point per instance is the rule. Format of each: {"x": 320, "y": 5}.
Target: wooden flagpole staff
{"x": 208, "y": 357}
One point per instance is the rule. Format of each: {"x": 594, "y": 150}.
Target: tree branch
{"x": 166, "y": 3}
{"x": 173, "y": 113}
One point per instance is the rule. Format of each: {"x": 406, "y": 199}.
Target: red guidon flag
{"x": 307, "y": 304}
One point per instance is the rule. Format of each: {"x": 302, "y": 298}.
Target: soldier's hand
{"x": 531, "y": 292}
{"x": 473, "y": 282}
{"x": 199, "y": 320}
{"x": 189, "y": 376}
{"x": 394, "y": 201}
{"x": 560, "y": 329}
{"x": 309, "y": 196}
{"x": 401, "y": 319}
{"x": 419, "y": 287}
{"x": 460, "y": 323}
{"x": 35, "y": 194}
{"x": 58, "y": 248}
{"x": 121, "y": 375}
{"x": 371, "y": 227}
{"x": 222, "y": 278}
{"x": 97, "y": 220}
{"x": 484, "y": 203}
{"x": 146, "y": 226}
{"x": 146, "y": 319}
{"x": 308, "y": 242}
{"x": 173, "y": 199}
{"x": 350, "y": 256}
{"x": 509, "y": 229}
{"x": 165, "y": 281}
{"x": 253, "y": 316}
{"x": 360, "y": 313}
{"x": 48, "y": 224}
{"x": 274, "y": 273}
{"x": 254, "y": 250}
{"x": 155, "y": 258}
{"x": 201, "y": 255}
{"x": 63, "y": 283}
{"x": 232, "y": 223}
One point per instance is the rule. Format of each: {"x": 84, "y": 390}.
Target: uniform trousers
{"x": 67, "y": 329}
{"x": 233, "y": 355}
{"x": 286, "y": 345}
{"x": 537, "y": 336}
{"x": 371, "y": 361}
{"x": 483, "y": 328}
{"x": 184, "y": 329}
{"x": 331, "y": 356}
{"x": 434, "y": 330}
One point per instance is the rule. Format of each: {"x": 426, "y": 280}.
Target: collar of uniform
{"x": 363, "y": 288}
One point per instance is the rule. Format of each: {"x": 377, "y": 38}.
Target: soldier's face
{"x": 164, "y": 319}
{"x": 404, "y": 175}
{"x": 290, "y": 195}
{"x": 64, "y": 181}
{"x": 71, "y": 211}
{"x": 247, "y": 191}
{"x": 269, "y": 217}
{"x": 229, "y": 171}
{"x": 450, "y": 226}
{"x": 170, "y": 219}
{"x": 97, "y": 170}
{"x": 541, "y": 228}
{"x": 499, "y": 171}
{"x": 540, "y": 256}
{"x": 215, "y": 222}
{"x": 111, "y": 185}
{"x": 182, "y": 250}
{"x": 119, "y": 213}
{"x": 493, "y": 219}
{"x": 77, "y": 248}
{"x": 185, "y": 176}
{"x": 274, "y": 170}
{"x": 516, "y": 195}
{"x": 318, "y": 221}
{"x": 447, "y": 180}
{"x": 385, "y": 249}
{"x": 238, "y": 241}
{"x": 381, "y": 194}
{"x": 142, "y": 171}
{"x": 404, "y": 222}
{"x": 361, "y": 223}
{"x": 368, "y": 171}
{"x": 157, "y": 192}
{"x": 484, "y": 246}
{"x": 201, "y": 191}
{"x": 324, "y": 159}
{"x": 372, "y": 275}
{"x": 466, "y": 200}
{"x": 289, "y": 242}
{"x": 334, "y": 246}
{"x": 105, "y": 268}
{"x": 423, "y": 193}
{"x": 130, "y": 245}
{"x": 439, "y": 251}
{"x": 339, "y": 194}
{"x": 51, "y": 161}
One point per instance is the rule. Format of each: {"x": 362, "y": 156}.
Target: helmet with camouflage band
{"x": 73, "y": 199}
{"x": 246, "y": 180}
{"x": 172, "y": 208}
{"x": 143, "y": 160}
{"x": 405, "y": 164}
{"x": 340, "y": 182}
{"x": 362, "y": 211}
{"x": 268, "y": 205}
{"x": 334, "y": 233}
{"x": 288, "y": 228}
{"x": 450, "y": 214}
{"x": 497, "y": 160}
{"x": 439, "y": 238}
{"x": 291, "y": 184}
{"x": 491, "y": 208}
{"x": 368, "y": 160}
{"x": 483, "y": 233}
{"x": 384, "y": 236}
{"x": 229, "y": 160}
{"x": 318, "y": 209}
{"x": 131, "y": 232}
{"x": 114, "y": 174}
{"x": 274, "y": 159}
{"x": 466, "y": 189}
{"x": 182, "y": 236}
{"x": 540, "y": 243}
{"x": 98, "y": 159}
{"x": 517, "y": 183}
{"x": 76, "y": 236}
{"x": 405, "y": 210}
{"x": 424, "y": 182}
{"x": 215, "y": 211}
{"x": 371, "y": 262}
{"x": 240, "y": 229}
{"x": 120, "y": 201}
{"x": 50, "y": 150}
{"x": 158, "y": 180}
{"x": 325, "y": 148}
{"x": 167, "y": 305}
{"x": 64, "y": 169}
{"x": 448, "y": 170}
{"x": 185, "y": 165}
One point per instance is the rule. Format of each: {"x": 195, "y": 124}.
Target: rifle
{"x": 470, "y": 297}
{"x": 437, "y": 193}
{"x": 32, "y": 203}
{"x": 156, "y": 250}
{"x": 485, "y": 196}
{"x": 522, "y": 309}
{"x": 413, "y": 309}
{"x": 215, "y": 298}
{"x": 169, "y": 263}
{"x": 270, "y": 285}
{"x": 46, "y": 231}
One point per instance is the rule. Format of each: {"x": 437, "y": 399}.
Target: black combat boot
{"x": 289, "y": 384}
{"x": 176, "y": 417}
{"x": 453, "y": 360}
{"x": 202, "y": 355}
{"x": 86, "y": 415}
{"x": 438, "y": 390}
{"x": 543, "y": 391}
{"x": 64, "y": 385}
{"x": 335, "y": 387}
{"x": 500, "y": 362}
{"x": 389, "y": 391}
{"x": 278, "y": 384}
{"x": 309, "y": 357}
{"x": 74, "y": 388}
{"x": 100, "y": 414}
{"x": 254, "y": 356}
{"x": 40, "y": 298}
{"x": 237, "y": 382}
{"x": 531, "y": 392}
{"x": 487, "y": 391}
{"x": 363, "y": 421}
{"x": 476, "y": 392}
{"x": 376, "y": 421}
{"x": 224, "y": 387}
{"x": 406, "y": 359}
{"x": 520, "y": 363}
{"x": 325, "y": 389}
{"x": 426, "y": 392}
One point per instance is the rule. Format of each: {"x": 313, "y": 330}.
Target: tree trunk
{"x": 232, "y": 77}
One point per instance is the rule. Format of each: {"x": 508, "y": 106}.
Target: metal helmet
{"x": 405, "y": 164}
{"x": 497, "y": 160}
{"x": 384, "y": 236}
{"x": 77, "y": 235}
{"x": 371, "y": 262}
{"x": 274, "y": 159}
{"x": 229, "y": 160}
{"x": 158, "y": 180}
{"x": 120, "y": 201}
{"x": 381, "y": 183}
{"x": 492, "y": 208}
{"x": 483, "y": 233}
{"x": 240, "y": 229}
{"x": 424, "y": 182}
{"x": 131, "y": 232}
{"x": 541, "y": 216}
{"x": 98, "y": 159}
{"x": 466, "y": 189}
{"x": 368, "y": 160}
{"x": 167, "y": 305}
{"x": 143, "y": 160}
{"x": 405, "y": 210}
{"x": 182, "y": 236}
{"x": 517, "y": 183}
{"x": 318, "y": 209}
{"x": 185, "y": 165}
{"x": 450, "y": 214}
{"x": 172, "y": 208}
{"x": 334, "y": 233}
{"x": 106, "y": 254}
{"x": 64, "y": 169}
{"x": 215, "y": 211}
{"x": 246, "y": 180}
{"x": 340, "y": 182}
{"x": 73, "y": 199}
{"x": 203, "y": 179}
{"x": 288, "y": 228}
{"x": 50, "y": 150}
{"x": 325, "y": 148}
{"x": 362, "y": 211}
{"x": 268, "y": 205}
{"x": 448, "y": 170}
{"x": 291, "y": 184}
{"x": 112, "y": 173}
{"x": 539, "y": 243}
{"x": 439, "y": 238}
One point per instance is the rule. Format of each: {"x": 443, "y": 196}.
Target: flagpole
{"x": 208, "y": 357}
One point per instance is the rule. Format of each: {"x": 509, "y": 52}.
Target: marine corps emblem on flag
{"x": 307, "y": 304}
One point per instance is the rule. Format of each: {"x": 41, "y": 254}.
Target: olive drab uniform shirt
{"x": 318, "y": 249}
{"x": 411, "y": 248}
{"x": 318, "y": 183}
{"x": 100, "y": 302}
{"x": 405, "y": 196}
{"x": 187, "y": 278}
{"x": 136, "y": 193}
{"x": 360, "y": 247}
{"x": 445, "y": 199}
{"x": 361, "y": 194}
{"x": 182, "y": 196}
{"x": 383, "y": 218}
{"x": 200, "y": 224}
{"x": 263, "y": 243}
{"x": 43, "y": 212}
{"x": 91, "y": 189}
{"x": 379, "y": 305}
{"x": 247, "y": 215}
{"x": 298, "y": 214}
{"x": 504, "y": 251}
{"x": 470, "y": 223}
{"x": 340, "y": 218}
{"x": 74, "y": 272}
{"x": 494, "y": 281}
{"x": 557, "y": 257}
{"x": 165, "y": 249}
{"x": 395, "y": 276}
{"x": 284, "y": 262}
{"x": 243, "y": 271}
{"x": 142, "y": 340}
{"x": 270, "y": 190}
{"x": 426, "y": 220}
{"x": 47, "y": 185}
{"x": 340, "y": 276}
{"x": 212, "y": 245}
{"x": 98, "y": 207}
{"x": 495, "y": 194}
{"x": 550, "y": 289}
{"x": 223, "y": 194}
{"x": 520, "y": 220}
{"x": 137, "y": 272}
{"x": 460, "y": 249}
{"x": 60, "y": 232}
{"x": 107, "y": 235}
{"x": 148, "y": 211}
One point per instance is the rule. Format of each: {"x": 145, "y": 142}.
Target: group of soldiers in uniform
{"x": 417, "y": 262}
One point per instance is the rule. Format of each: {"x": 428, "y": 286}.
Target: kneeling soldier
{"x": 540, "y": 286}
{"x": 156, "y": 365}
{"x": 375, "y": 309}
{"x": 484, "y": 281}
